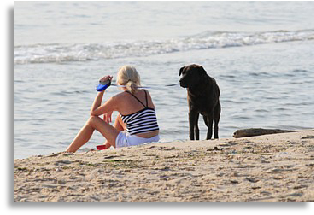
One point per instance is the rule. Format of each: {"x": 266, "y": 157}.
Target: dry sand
{"x": 271, "y": 168}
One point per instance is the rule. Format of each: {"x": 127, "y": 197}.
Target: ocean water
{"x": 260, "y": 53}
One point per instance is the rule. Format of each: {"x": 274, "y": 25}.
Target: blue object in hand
{"x": 103, "y": 85}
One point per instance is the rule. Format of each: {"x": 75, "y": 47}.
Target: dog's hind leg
{"x": 209, "y": 120}
{"x": 217, "y": 111}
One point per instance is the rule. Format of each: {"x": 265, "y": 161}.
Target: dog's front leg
{"x": 193, "y": 116}
{"x": 196, "y": 129}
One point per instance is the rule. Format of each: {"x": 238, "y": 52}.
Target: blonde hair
{"x": 129, "y": 77}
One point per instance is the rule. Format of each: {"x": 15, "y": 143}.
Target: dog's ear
{"x": 181, "y": 70}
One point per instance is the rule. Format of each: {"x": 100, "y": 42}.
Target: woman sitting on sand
{"x": 136, "y": 123}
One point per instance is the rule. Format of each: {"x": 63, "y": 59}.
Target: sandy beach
{"x": 269, "y": 168}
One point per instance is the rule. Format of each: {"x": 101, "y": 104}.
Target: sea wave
{"x": 50, "y": 53}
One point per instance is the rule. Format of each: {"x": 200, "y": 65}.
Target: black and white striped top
{"x": 142, "y": 121}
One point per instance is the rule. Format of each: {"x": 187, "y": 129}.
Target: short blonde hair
{"x": 129, "y": 77}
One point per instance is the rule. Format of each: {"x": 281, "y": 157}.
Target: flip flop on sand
{"x": 102, "y": 147}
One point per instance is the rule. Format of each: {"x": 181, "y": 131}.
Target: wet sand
{"x": 268, "y": 168}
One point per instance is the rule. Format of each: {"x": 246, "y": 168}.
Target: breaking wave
{"x": 50, "y": 53}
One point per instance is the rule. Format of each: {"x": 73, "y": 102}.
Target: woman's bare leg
{"x": 81, "y": 138}
{"x": 92, "y": 124}
{"x": 119, "y": 126}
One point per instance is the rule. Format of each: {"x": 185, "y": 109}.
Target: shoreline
{"x": 268, "y": 168}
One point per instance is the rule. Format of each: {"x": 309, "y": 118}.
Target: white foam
{"x": 49, "y": 53}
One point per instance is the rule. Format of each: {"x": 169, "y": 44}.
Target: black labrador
{"x": 203, "y": 98}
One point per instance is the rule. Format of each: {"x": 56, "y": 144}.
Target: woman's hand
{"x": 107, "y": 117}
{"x": 104, "y": 83}
{"x": 105, "y": 78}
{"x": 98, "y": 100}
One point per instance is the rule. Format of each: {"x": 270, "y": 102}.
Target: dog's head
{"x": 192, "y": 76}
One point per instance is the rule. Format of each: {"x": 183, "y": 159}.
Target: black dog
{"x": 203, "y": 98}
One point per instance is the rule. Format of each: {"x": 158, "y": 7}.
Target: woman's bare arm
{"x": 97, "y": 102}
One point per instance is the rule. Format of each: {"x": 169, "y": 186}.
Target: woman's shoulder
{"x": 117, "y": 100}
{"x": 119, "y": 95}
{"x": 123, "y": 95}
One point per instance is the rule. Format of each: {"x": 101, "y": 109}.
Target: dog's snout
{"x": 182, "y": 83}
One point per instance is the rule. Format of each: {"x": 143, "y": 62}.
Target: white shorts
{"x": 124, "y": 139}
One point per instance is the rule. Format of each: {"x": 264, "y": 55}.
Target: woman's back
{"x": 138, "y": 113}
{"x": 128, "y": 104}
